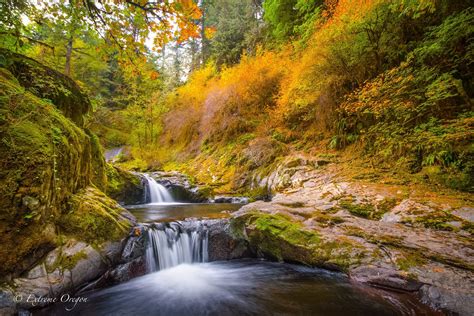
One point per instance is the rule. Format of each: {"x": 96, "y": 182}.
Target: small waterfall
{"x": 155, "y": 192}
{"x": 170, "y": 244}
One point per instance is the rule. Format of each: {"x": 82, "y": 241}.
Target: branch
{"x": 28, "y": 38}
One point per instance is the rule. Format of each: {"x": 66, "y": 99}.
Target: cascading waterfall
{"x": 155, "y": 192}
{"x": 170, "y": 244}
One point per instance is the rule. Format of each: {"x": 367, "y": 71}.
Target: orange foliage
{"x": 215, "y": 109}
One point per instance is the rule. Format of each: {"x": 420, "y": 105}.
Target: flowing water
{"x": 155, "y": 192}
{"x": 180, "y": 281}
{"x": 243, "y": 287}
{"x": 170, "y": 244}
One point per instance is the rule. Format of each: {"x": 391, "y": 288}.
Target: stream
{"x": 181, "y": 281}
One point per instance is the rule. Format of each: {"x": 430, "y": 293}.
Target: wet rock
{"x": 385, "y": 278}
{"x": 230, "y": 199}
{"x": 222, "y": 243}
{"x": 447, "y": 300}
{"x": 414, "y": 245}
{"x": 7, "y": 302}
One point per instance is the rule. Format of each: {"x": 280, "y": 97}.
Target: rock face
{"x": 126, "y": 187}
{"x": 57, "y": 227}
{"x": 72, "y": 268}
{"x": 384, "y": 235}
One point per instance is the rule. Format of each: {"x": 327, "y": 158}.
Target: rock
{"x": 74, "y": 266}
{"x": 7, "y": 302}
{"x": 466, "y": 213}
{"x": 447, "y": 300}
{"x": 385, "y": 278}
{"x": 408, "y": 248}
{"x": 230, "y": 199}
{"x": 222, "y": 243}
{"x": 37, "y": 272}
{"x": 126, "y": 187}
{"x": 30, "y": 202}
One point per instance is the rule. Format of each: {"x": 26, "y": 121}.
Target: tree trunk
{"x": 67, "y": 68}
{"x": 204, "y": 40}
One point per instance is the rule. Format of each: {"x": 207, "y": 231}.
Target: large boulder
{"x": 52, "y": 170}
{"x": 47, "y": 83}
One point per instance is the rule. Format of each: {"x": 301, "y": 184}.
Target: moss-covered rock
{"x": 47, "y": 83}
{"x": 45, "y": 159}
{"x": 94, "y": 217}
{"x": 124, "y": 186}
{"x": 282, "y": 238}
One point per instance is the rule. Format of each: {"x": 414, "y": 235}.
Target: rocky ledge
{"x": 388, "y": 236}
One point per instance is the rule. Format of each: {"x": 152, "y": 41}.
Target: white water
{"x": 156, "y": 192}
{"x": 169, "y": 244}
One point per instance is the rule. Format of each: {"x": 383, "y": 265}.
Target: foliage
{"x": 237, "y": 29}
{"x": 290, "y": 17}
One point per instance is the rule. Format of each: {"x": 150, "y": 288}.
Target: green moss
{"x": 386, "y": 205}
{"x": 468, "y": 226}
{"x": 327, "y": 220}
{"x": 281, "y": 238}
{"x": 281, "y": 226}
{"x": 64, "y": 262}
{"x": 293, "y": 204}
{"x": 258, "y": 193}
{"x": 410, "y": 260}
{"x": 362, "y": 210}
{"x": 94, "y": 218}
{"x": 438, "y": 220}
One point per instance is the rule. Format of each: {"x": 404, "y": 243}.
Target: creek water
{"x": 180, "y": 281}
{"x": 243, "y": 287}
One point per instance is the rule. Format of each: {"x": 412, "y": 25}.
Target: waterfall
{"x": 155, "y": 192}
{"x": 170, "y": 244}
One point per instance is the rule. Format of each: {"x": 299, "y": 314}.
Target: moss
{"x": 468, "y": 226}
{"x": 438, "y": 220}
{"x": 362, "y": 210}
{"x": 94, "y": 218}
{"x": 281, "y": 238}
{"x": 387, "y": 204}
{"x": 47, "y": 83}
{"x": 325, "y": 220}
{"x": 258, "y": 193}
{"x": 64, "y": 262}
{"x": 410, "y": 260}
{"x": 124, "y": 186}
{"x": 293, "y": 204}
{"x": 283, "y": 227}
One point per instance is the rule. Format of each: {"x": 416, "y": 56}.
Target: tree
{"x": 285, "y": 16}
{"x": 237, "y": 28}
{"x": 128, "y": 24}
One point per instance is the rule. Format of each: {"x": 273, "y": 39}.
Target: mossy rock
{"x": 47, "y": 83}
{"x": 45, "y": 158}
{"x": 281, "y": 238}
{"x": 124, "y": 186}
{"x": 94, "y": 218}
{"x": 368, "y": 210}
